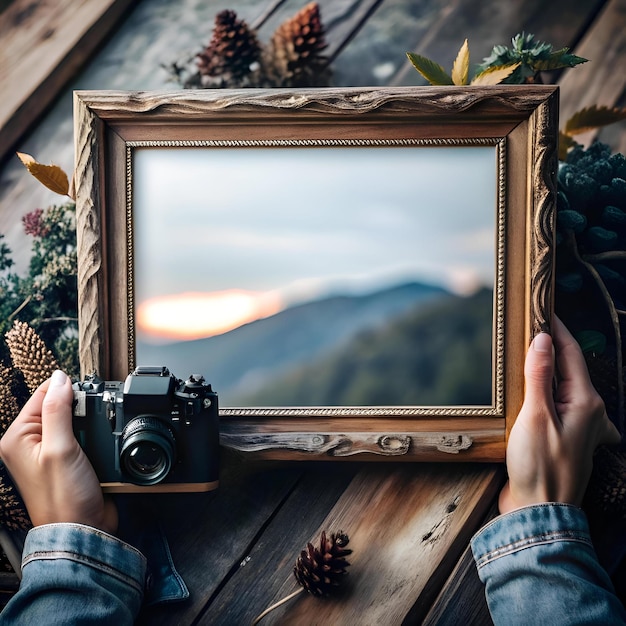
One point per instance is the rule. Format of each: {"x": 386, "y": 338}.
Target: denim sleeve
{"x": 539, "y": 567}
{"x": 75, "y": 574}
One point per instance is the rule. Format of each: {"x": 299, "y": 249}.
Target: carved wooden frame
{"x": 521, "y": 122}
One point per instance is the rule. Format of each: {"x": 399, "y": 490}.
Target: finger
{"x": 56, "y": 422}
{"x": 570, "y": 360}
{"x": 27, "y": 425}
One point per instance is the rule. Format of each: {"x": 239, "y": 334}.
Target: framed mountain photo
{"x": 357, "y": 272}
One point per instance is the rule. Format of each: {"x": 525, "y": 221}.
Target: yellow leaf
{"x": 460, "y": 69}
{"x": 52, "y": 176}
{"x": 565, "y": 143}
{"x": 593, "y": 117}
{"x": 494, "y": 75}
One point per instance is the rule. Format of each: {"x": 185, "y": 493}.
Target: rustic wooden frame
{"x": 521, "y": 122}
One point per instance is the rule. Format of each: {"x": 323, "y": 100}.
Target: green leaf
{"x": 593, "y": 117}
{"x": 557, "y": 60}
{"x": 460, "y": 69}
{"x": 494, "y": 75}
{"x": 431, "y": 71}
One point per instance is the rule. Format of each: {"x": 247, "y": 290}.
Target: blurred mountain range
{"x": 409, "y": 344}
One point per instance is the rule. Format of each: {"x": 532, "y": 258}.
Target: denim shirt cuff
{"x": 86, "y": 546}
{"x": 529, "y": 526}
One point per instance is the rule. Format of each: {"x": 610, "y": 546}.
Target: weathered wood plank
{"x": 43, "y": 45}
{"x": 210, "y": 534}
{"x": 263, "y": 568}
{"x": 601, "y": 81}
{"x": 342, "y": 19}
{"x": 409, "y": 525}
{"x": 462, "y": 599}
{"x": 487, "y": 24}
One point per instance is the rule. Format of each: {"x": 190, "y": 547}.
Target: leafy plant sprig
{"x": 436, "y": 75}
{"x": 521, "y": 63}
{"x": 531, "y": 56}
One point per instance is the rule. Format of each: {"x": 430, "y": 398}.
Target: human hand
{"x": 550, "y": 450}
{"x": 47, "y": 464}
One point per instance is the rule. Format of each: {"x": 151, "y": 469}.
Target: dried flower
{"x": 34, "y": 224}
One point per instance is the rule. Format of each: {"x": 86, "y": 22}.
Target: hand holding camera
{"x": 54, "y": 477}
{"x": 151, "y": 432}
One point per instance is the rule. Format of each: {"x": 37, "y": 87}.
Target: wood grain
{"x": 211, "y": 534}
{"x": 598, "y": 82}
{"x": 43, "y": 45}
{"x": 409, "y": 525}
{"x": 462, "y": 600}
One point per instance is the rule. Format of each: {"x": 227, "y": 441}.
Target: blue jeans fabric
{"x": 539, "y": 567}
{"x": 75, "y": 574}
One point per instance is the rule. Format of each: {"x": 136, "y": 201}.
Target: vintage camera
{"x": 151, "y": 432}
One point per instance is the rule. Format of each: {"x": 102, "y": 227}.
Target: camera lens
{"x": 148, "y": 450}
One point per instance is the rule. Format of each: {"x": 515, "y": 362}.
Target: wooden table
{"x": 409, "y": 527}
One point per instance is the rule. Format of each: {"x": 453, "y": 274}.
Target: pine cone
{"x": 604, "y": 376}
{"x": 318, "y": 570}
{"x": 30, "y": 355}
{"x": 294, "y": 57}
{"x": 13, "y": 514}
{"x": 607, "y": 487}
{"x": 9, "y": 407}
{"x": 231, "y": 53}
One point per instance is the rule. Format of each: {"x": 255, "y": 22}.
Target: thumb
{"x": 56, "y": 412}
{"x": 539, "y": 371}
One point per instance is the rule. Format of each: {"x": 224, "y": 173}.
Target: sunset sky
{"x": 224, "y": 236}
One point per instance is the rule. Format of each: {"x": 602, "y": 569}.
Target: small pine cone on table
{"x": 30, "y": 355}
{"x": 231, "y": 53}
{"x": 318, "y": 570}
{"x": 294, "y": 57}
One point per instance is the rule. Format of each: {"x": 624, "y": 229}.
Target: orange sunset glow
{"x": 192, "y": 315}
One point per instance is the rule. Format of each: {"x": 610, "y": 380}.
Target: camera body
{"x": 149, "y": 433}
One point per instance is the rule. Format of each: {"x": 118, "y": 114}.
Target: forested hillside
{"x": 436, "y": 354}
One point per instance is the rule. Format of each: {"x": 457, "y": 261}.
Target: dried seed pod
{"x": 294, "y": 57}
{"x": 9, "y": 407}
{"x": 13, "y": 514}
{"x": 231, "y": 53}
{"x": 607, "y": 486}
{"x": 30, "y": 355}
{"x": 320, "y": 569}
